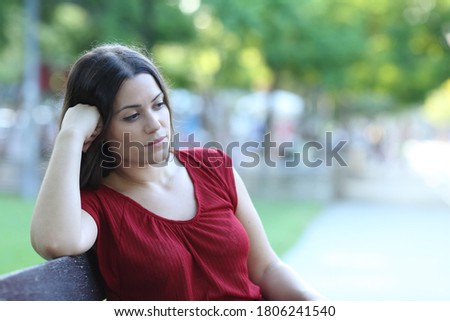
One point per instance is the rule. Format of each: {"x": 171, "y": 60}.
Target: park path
{"x": 388, "y": 238}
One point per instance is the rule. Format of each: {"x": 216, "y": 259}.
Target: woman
{"x": 164, "y": 224}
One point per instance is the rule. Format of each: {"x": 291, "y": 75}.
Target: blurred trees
{"x": 362, "y": 56}
{"x": 387, "y": 53}
{"x": 436, "y": 106}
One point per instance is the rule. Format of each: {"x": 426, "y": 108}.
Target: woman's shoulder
{"x": 99, "y": 196}
{"x": 211, "y": 157}
{"x": 93, "y": 192}
{"x": 103, "y": 203}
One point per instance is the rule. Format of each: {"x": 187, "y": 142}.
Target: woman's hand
{"x": 85, "y": 121}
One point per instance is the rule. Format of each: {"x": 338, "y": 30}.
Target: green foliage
{"x": 436, "y": 106}
{"x": 71, "y": 27}
{"x": 6, "y": 6}
{"x": 66, "y": 32}
{"x": 341, "y": 48}
{"x": 394, "y": 48}
{"x": 12, "y": 48}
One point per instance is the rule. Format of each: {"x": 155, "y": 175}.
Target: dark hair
{"x": 95, "y": 79}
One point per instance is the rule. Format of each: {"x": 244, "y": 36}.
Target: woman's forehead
{"x": 137, "y": 90}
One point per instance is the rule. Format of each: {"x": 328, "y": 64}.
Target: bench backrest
{"x": 69, "y": 278}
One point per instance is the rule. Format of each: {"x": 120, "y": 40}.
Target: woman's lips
{"x": 157, "y": 141}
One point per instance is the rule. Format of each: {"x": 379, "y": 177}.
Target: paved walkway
{"x": 370, "y": 247}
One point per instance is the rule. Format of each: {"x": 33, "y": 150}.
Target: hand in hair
{"x": 83, "y": 120}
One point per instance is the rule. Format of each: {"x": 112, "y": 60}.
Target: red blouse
{"x": 143, "y": 256}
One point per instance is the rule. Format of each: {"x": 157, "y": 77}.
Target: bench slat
{"x": 69, "y": 278}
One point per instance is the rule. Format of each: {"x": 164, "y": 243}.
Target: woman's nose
{"x": 151, "y": 123}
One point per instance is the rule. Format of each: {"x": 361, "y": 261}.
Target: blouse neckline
{"x": 155, "y": 215}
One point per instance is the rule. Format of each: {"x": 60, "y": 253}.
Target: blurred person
{"x": 164, "y": 224}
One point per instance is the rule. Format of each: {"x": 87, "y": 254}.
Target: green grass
{"x": 15, "y": 248}
{"x": 284, "y": 222}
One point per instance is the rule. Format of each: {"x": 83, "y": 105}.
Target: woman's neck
{"x": 144, "y": 176}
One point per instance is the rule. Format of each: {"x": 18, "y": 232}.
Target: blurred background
{"x": 374, "y": 74}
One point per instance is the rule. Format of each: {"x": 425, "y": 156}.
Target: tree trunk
{"x": 30, "y": 94}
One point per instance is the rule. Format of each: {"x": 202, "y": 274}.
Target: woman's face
{"x": 139, "y": 132}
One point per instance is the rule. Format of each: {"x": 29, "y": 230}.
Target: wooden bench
{"x": 69, "y": 278}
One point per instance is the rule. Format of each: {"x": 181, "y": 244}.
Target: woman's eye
{"x": 132, "y": 117}
{"x": 159, "y": 105}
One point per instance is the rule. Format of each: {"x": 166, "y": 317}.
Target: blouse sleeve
{"x": 222, "y": 164}
{"x": 91, "y": 204}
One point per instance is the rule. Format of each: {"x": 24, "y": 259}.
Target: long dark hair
{"x": 95, "y": 79}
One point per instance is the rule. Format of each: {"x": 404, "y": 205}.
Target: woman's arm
{"x": 280, "y": 282}
{"x": 277, "y": 280}
{"x": 59, "y": 226}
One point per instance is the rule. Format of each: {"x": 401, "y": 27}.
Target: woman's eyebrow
{"x": 137, "y": 105}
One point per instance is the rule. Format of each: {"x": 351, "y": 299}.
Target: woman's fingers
{"x": 94, "y": 135}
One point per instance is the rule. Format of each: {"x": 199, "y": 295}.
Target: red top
{"x": 143, "y": 256}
